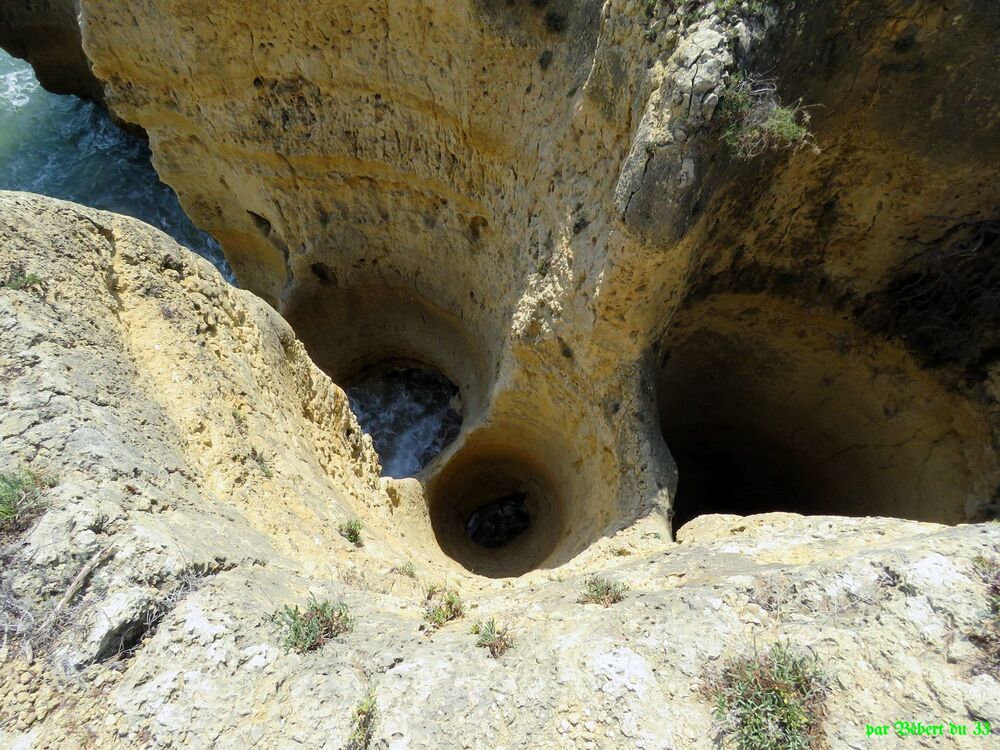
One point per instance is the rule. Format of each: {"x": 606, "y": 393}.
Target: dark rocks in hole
{"x": 497, "y": 523}
{"x": 324, "y": 273}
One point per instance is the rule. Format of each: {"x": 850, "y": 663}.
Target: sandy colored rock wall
{"x": 536, "y": 201}
{"x": 181, "y": 427}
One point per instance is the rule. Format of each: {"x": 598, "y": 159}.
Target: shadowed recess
{"x": 768, "y": 407}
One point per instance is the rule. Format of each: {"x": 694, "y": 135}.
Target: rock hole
{"x": 324, "y": 273}
{"x": 476, "y": 226}
{"x": 412, "y": 413}
{"x": 814, "y": 418}
{"x": 495, "y": 510}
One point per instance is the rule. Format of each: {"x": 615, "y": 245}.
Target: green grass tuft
{"x": 442, "y": 606}
{"x": 602, "y": 591}
{"x": 755, "y": 121}
{"x": 18, "y": 280}
{"x": 987, "y": 636}
{"x": 407, "y": 569}
{"x": 19, "y": 499}
{"x": 320, "y": 622}
{"x": 351, "y": 531}
{"x": 364, "y": 723}
{"x": 492, "y": 636}
{"x": 776, "y": 701}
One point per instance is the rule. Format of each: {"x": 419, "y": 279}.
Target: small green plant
{"x": 442, "y": 606}
{"x": 601, "y": 591}
{"x": 775, "y": 701}
{"x": 19, "y": 280}
{"x": 309, "y": 629}
{"x": 364, "y": 723}
{"x": 258, "y": 458}
{"x": 19, "y": 496}
{"x": 407, "y": 569}
{"x": 755, "y": 121}
{"x": 989, "y": 571}
{"x": 351, "y": 531}
{"x": 492, "y": 636}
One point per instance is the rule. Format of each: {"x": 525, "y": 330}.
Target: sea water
{"x": 63, "y": 147}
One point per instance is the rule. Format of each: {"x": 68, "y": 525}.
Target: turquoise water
{"x": 66, "y": 148}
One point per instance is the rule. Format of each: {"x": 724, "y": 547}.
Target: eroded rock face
{"x": 533, "y": 199}
{"x": 185, "y": 430}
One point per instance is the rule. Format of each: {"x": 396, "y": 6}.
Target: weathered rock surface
{"x": 185, "y": 429}
{"x": 533, "y": 198}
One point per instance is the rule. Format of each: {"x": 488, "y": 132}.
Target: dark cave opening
{"x": 742, "y": 474}
{"x": 768, "y": 408}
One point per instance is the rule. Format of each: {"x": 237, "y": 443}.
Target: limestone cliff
{"x": 542, "y": 201}
{"x": 534, "y": 198}
{"x": 196, "y": 467}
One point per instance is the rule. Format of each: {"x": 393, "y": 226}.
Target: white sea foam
{"x": 16, "y": 89}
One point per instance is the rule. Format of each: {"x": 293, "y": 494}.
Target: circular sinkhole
{"x": 496, "y": 511}
{"x": 768, "y": 407}
{"x": 411, "y": 369}
{"x": 411, "y": 411}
